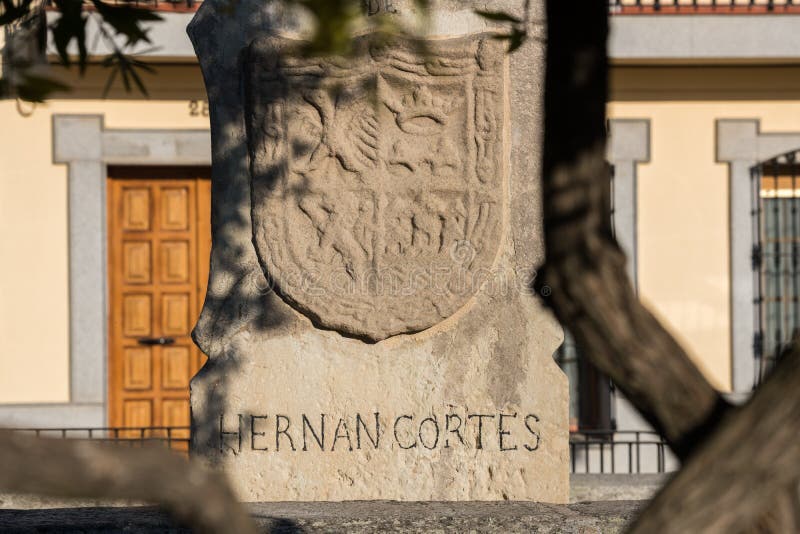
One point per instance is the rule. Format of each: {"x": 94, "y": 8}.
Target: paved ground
{"x": 600, "y": 504}
{"x": 350, "y": 517}
{"x": 642, "y": 487}
{"x": 583, "y": 488}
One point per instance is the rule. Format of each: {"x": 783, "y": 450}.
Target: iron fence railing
{"x": 703, "y": 6}
{"x": 173, "y": 437}
{"x": 591, "y": 451}
{"x": 619, "y": 452}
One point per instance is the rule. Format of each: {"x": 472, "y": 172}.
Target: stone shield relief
{"x": 377, "y": 180}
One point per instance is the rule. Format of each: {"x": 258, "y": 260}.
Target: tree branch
{"x": 195, "y": 496}
{"x": 585, "y": 269}
{"x": 749, "y": 466}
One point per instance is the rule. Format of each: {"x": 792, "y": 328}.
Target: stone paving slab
{"x": 352, "y": 517}
{"x": 583, "y": 488}
{"x": 618, "y": 487}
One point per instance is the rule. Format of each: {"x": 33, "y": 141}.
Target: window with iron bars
{"x": 590, "y": 407}
{"x": 776, "y": 258}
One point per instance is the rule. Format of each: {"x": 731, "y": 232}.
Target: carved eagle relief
{"x": 377, "y": 180}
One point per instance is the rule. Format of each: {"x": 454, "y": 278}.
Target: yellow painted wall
{"x": 684, "y": 269}
{"x": 34, "y": 277}
{"x": 683, "y": 205}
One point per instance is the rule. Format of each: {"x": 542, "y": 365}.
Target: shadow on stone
{"x": 284, "y": 526}
{"x": 353, "y": 517}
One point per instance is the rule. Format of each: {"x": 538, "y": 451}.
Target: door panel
{"x": 136, "y": 310}
{"x": 136, "y": 262}
{"x": 138, "y": 368}
{"x": 176, "y": 366}
{"x": 136, "y": 208}
{"x": 158, "y": 266}
{"x": 175, "y": 313}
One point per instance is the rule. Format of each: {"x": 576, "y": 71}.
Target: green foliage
{"x": 70, "y": 25}
{"x": 126, "y": 20}
{"x": 28, "y": 22}
{"x": 13, "y": 12}
{"x": 335, "y": 22}
{"x": 126, "y": 67}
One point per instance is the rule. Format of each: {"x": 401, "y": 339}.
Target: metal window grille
{"x": 568, "y": 359}
{"x": 775, "y": 211}
{"x": 590, "y": 391}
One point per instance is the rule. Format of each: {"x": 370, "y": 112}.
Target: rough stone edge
{"x": 365, "y": 516}
{"x": 583, "y": 488}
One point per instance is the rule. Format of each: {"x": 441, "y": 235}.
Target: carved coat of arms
{"x": 377, "y": 179}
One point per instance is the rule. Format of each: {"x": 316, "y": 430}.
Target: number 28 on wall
{"x": 198, "y": 108}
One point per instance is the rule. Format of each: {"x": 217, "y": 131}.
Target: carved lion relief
{"x": 377, "y": 180}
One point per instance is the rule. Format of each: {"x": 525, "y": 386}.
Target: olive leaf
{"x": 125, "y": 20}
{"x": 13, "y": 12}
{"x": 69, "y": 26}
{"x": 127, "y": 68}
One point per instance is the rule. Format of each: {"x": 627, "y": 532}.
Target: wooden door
{"x": 159, "y": 241}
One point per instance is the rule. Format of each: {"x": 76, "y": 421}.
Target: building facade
{"x": 104, "y": 209}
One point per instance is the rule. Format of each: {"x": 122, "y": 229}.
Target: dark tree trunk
{"x": 742, "y": 466}
{"x": 745, "y": 475}
{"x": 585, "y": 269}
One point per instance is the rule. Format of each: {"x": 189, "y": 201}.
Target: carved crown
{"x": 422, "y": 111}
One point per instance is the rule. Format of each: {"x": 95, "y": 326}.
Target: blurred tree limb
{"x": 748, "y": 469}
{"x": 737, "y": 462}
{"x": 194, "y": 496}
{"x": 591, "y": 293}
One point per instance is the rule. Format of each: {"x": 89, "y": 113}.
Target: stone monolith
{"x": 376, "y": 225}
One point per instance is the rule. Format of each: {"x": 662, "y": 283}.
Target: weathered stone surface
{"x": 377, "y": 180}
{"x": 352, "y": 517}
{"x": 426, "y": 391}
{"x": 584, "y": 488}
